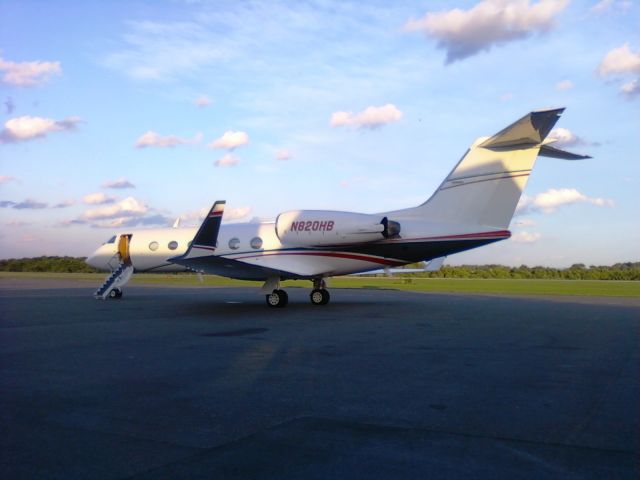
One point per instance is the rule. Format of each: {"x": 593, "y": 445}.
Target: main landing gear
{"x": 279, "y": 299}
{"x": 319, "y": 295}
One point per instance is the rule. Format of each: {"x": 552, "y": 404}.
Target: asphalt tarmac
{"x": 210, "y": 383}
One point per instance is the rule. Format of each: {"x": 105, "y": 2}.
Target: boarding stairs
{"x": 119, "y": 277}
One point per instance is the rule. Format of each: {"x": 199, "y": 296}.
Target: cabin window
{"x": 256, "y": 242}
{"x": 234, "y": 243}
{"x": 153, "y": 246}
{"x": 173, "y": 245}
{"x": 111, "y": 240}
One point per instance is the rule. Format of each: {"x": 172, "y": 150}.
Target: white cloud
{"x": 28, "y": 74}
{"x": 602, "y": 6}
{"x": 552, "y": 199}
{"x": 65, "y": 204}
{"x": 230, "y": 140}
{"x": 125, "y": 221}
{"x": 463, "y": 33}
{"x": 129, "y": 207}
{"x": 525, "y": 222}
{"x": 606, "y": 5}
{"x": 631, "y": 88}
{"x": 228, "y": 160}
{"x": 238, "y": 213}
{"x": 564, "y": 85}
{"x": 163, "y": 51}
{"x": 284, "y": 154}
{"x": 120, "y": 183}
{"x": 505, "y": 97}
{"x": 22, "y": 129}
{"x": 525, "y": 237}
{"x": 566, "y": 138}
{"x": 230, "y": 214}
{"x": 6, "y": 179}
{"x": 153, "y": 139}
{"x": 30, "y": 204}
{"x": 97, "y": 198}
{"x": 370, "y": 117}
{"x": 17, "y": 224}
{"x": 620, "y": 60}
{"x": 203, "y": 101}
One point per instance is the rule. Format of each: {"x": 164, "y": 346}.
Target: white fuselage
{"x": 257, "y": 244}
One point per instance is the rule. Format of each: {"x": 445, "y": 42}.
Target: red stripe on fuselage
{"x": 464, "y": 236}
{"x": 350, "y": 256}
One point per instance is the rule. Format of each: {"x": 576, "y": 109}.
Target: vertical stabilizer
{"x": 485, "y": 186}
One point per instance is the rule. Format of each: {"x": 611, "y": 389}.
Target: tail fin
{"x": 486, "y": 184}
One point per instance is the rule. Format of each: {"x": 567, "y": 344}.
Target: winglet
{"x": 206, "y": 238}
{"x": 531, "y": 129}
{"x": 207, "y": 235}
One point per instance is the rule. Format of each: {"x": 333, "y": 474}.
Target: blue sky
{"x": 358, "y": 106}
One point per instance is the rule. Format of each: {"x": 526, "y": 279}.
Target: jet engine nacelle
{"x": 325, "y": 227}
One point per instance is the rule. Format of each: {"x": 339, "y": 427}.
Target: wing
{"x": 201, "y": 257}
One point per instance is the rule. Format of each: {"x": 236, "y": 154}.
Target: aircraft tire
{"x": 277, "y": 299}
{"x": 319, "y": 296}
{"x": 115, "y": 293}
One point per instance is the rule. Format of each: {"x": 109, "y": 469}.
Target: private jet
{"x": 472, "y": 207}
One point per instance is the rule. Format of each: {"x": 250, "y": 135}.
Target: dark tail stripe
{"x": 485, "y": 180}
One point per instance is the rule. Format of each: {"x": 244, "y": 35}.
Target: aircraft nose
{"x": 91, "y": 260}
{"x": 98, "y": 259}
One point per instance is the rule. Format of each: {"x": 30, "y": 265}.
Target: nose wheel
{"x": 277, "y": 299}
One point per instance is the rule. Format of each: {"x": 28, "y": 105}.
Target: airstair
{"x": 120, "y": 275}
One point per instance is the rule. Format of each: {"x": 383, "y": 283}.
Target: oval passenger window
{"x": 256, "y": 242}
{"x": 173, "y": 245}
{"x": 153, "y": 246}
{"x": 234, "y": 243}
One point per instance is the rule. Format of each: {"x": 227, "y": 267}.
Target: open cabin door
{"x": 123, "y": 248}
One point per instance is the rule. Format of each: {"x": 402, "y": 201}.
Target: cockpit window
{"x": 111, "y": 240}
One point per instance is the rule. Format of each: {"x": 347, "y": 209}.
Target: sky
{"x": 132, "y": 114}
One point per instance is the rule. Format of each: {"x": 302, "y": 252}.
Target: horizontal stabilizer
{"x": 531, "y": 129}
{"x": 549, "y": 151}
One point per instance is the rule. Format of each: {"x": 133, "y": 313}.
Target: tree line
{"x": 47, "y": 264}
{"x": 578, "y": 271}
